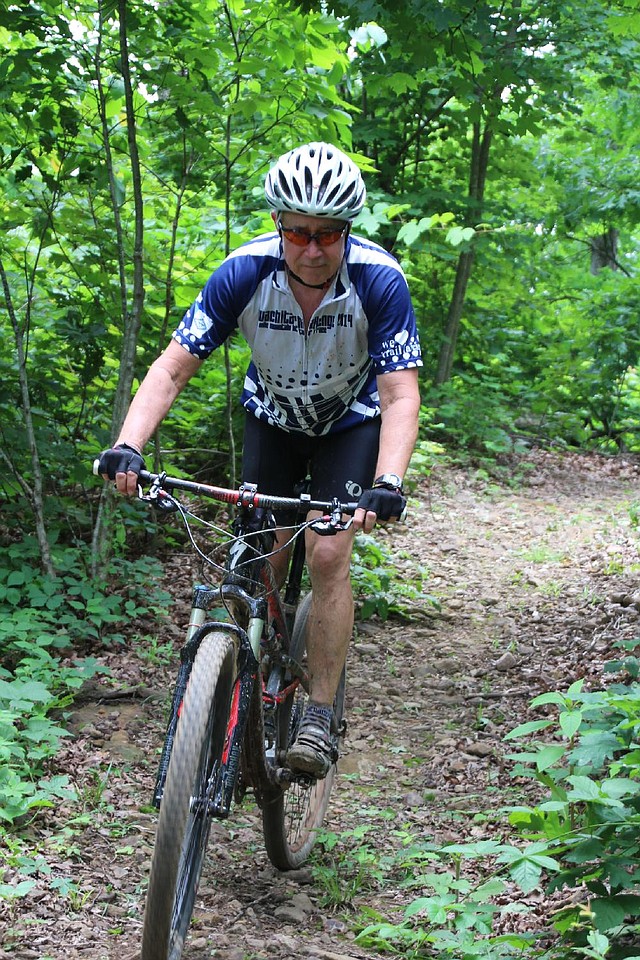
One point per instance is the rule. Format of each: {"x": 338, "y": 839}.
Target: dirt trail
{"x": 534, "y": 585}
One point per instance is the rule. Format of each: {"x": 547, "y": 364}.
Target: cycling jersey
{"x": 321, "y": 379}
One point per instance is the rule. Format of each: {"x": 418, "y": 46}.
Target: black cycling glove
{"x": 120, "y": 459}
{"x": 386, "y": 504}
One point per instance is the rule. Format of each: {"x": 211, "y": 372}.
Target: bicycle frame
{"x": 268, "y": 622}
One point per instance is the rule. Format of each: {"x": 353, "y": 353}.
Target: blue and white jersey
{"x": 323, "y": 378}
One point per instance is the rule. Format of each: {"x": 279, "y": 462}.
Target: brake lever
{"x": 329, "y": 525}
{"x": 158, "y": 497}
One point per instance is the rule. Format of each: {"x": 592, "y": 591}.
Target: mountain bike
{"x": 239, "y": 697}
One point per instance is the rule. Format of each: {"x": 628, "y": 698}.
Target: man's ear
{"x": 274, "y": 216}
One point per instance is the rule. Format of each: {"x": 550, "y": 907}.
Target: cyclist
{"x": 332, "y": 387}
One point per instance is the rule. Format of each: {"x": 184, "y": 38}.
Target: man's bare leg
{"x": 329, "y": 629}
{"x": 330, "y": 623}
{"x": 280, "y": 559}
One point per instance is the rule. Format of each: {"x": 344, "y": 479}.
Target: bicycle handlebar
{"x": 244, "y": 496}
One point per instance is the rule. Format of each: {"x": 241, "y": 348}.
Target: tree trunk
{"x": 452, "y": 326}
{"x": 604, "y": 251}
{"x": 131, "y": 317}
{"x": 477, "y": 179}
{"x": 33, "y": 493}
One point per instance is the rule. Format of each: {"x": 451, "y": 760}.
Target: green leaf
{"x": 524, "y": 729}
{"x": 457, "y": 235}
{"x": 16, "y": 578}
{"x": 547, "y": 756}
{"x": 570, "y": 721}
{"x": 411, "y": 231}
{"x": 608, "y": 913}
{"x": 621, "y": 25}
{"x": 11, "y": 891}
{"x": 575, "y": 689}
{"x": 620, "y": 787}
{"x": 598, "y": 942}
{"x": 402, "y": 82}
{"x": 551, "y": 697}
{"x": 547, "y": 863}
{"x": 583, "y": 789}
{"x": 491, "y": 888}
{"x": 526, "y": 874}
{"x": 29, "y": 691}
{"x": 594, "y": 748}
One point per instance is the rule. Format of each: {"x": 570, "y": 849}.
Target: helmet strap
{"x": 314, "y": 286}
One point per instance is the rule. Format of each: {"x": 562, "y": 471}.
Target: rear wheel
{"x": 184, "y": 820}
{"x": 292, "y": 818}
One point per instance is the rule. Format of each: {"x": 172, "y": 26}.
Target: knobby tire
{"x": 183, "y": 825}
{"x": 292, "y": 818}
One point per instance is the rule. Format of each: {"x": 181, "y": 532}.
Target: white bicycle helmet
{"x": 316, "y": 179}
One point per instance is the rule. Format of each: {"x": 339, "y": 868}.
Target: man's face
{"x": 315, "y": 261}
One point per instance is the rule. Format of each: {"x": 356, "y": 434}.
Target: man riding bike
{"x": 331, "y": 390}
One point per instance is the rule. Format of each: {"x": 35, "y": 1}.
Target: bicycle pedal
{"x": 304, "y": 780}
{"x": 285, "y": 776}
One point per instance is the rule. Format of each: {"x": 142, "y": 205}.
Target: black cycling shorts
{"x": 340, "y": 465}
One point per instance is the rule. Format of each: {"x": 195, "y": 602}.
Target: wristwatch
{"x": 390, "y": 481}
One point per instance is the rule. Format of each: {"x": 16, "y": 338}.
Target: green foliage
{"x": 71, "y": 611}
{"x": 380, "y": 588}
{"x": 584, "y": 833}
{"x": 28, "y": 735}
{"x": 43, "y": 620}
{"x": 350, "y": 865}
{"x": 543, "y": 347}
{"x": 477, "y": 414}
{"x": 453, "y": 916}
{"x": 588, "y": 763}
{"x": 215, "y": 97}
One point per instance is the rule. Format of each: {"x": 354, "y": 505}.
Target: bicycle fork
{"x": 204, "y": 597}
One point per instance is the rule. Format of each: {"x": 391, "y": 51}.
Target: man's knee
{"x": 329, "y": 559}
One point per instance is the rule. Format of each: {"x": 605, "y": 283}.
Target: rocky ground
{"x": 534, "y": 583}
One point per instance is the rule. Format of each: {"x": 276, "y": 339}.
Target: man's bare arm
{"x": 166, "y": 378}
{"x": 399, "y": 405}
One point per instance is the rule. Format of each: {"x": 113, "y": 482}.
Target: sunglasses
{"x": 302, "y": 238}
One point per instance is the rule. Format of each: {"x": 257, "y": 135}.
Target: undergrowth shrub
{"x": 477, "y": 415}
{"x": 48, "y": 628}
{"x": 380, "y": 588}
{"x": 583, "y": 834}
{"x": 29, "y": 736}
{"x": 589, "y": 763}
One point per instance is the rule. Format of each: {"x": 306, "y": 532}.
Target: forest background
{"x": 499, "y": 143}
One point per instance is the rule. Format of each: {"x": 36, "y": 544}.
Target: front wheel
{"x": 291, "y": 820}
{"x": 192, "y": 779}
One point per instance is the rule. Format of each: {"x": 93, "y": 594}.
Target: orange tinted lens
{"x": 300, "y": 239}
{"x": 327, "y": 237}
{"x": 303, "y": 238}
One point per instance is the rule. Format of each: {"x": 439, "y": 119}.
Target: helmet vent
{"x": 318, "y": 180}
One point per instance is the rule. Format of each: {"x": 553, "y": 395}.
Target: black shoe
{"x": 313, "y": 751}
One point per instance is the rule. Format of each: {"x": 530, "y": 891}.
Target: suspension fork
{"x": 204, "y": 597}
